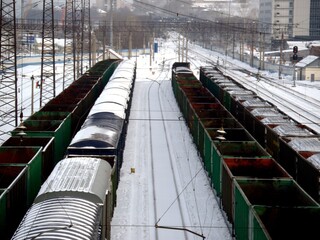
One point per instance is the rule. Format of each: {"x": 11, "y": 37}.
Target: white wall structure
{"x": 301, "y": 20}
{"x": 288, "y": 17}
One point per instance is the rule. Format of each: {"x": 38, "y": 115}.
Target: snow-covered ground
{"x": 28, "y": 96}
{"x": 169, "y": 187}
{"x": 161, "y": 150}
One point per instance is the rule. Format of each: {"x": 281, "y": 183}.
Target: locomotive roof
{"x": 61, "y": 218}
{"x": 82, "y": 177}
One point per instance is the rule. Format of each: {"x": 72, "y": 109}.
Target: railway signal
{"x": 295, "y": 53}
{"x": 294, "y": 60}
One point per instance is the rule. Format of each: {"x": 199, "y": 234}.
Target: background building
{"x": 301, "y": 28}
{"x": 314, "y": 19}
{"x": 309, "y": 68}
{"x": 292, "y": 19}
{"x": 106, "y": 4}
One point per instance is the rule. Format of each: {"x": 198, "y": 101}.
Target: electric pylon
{"x": 86, "y": 26}
{"x": 47, "y": 80}
{"x": 68, "y": 71}
{"x": 8, "y": 68}
{"x": 77, "y": 40}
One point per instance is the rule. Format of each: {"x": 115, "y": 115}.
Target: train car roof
{"x": 125, "y": 74}
{"x": 127, "y": 62}
{"x": 121, "y": 85}
{"x": 291, "y": 129}
{"x": 113, "y": 97}
{"x": 96, "y": 137}
{"x": 305, "y": 144}
{"x": 315, "y": 160}
{"x": 117, "y": 91}
{"x": 61, "y": 218}
{"x": 124, "y": 69}
{"x": 182, "y": 69}
{"x": 266, "y": 112}
{"x": 109, "y": 107}
{"x": 281, "y": 119}
{"x": 87, "y": 178}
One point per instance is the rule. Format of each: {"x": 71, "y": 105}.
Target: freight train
{"x": 259, "y": 197}
{"x": 295, "y": 146}
{"x": 78, "y": 198}
{"x": 40, "y": 142}
{"x": 29, "y": 155}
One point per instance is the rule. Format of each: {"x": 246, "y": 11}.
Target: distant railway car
{"x": 273, "y": 129}
{"x": 255, "y": 190}
{"x": 103, "y": 132}
{"x": 104, "y": 129}
{"x": 296, "y": 155}
{"x": 73, "y": 203}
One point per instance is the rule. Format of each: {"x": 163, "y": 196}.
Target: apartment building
{"x": 294, "y": 19}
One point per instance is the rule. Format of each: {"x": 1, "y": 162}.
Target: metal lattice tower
{"x": 8, "y": 68}
{"x": 77, "y": 40}
{"x": 68, "y": 70}
{"x": 86, "y": 26}
{"x": 47, "y": 86}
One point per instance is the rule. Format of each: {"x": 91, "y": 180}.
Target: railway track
{"x": 311, "y": 101}
{"x": 154, "y": 198}
{"x": 168, "y": 196}
{"x": 303, "y": 110}
{"x": 299, "y": 106}
{"x": 159, "y": 134}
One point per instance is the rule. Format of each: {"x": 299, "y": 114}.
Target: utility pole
{"x": 251, "y": 48}
{"x": 119, "y": 43}
{"x": 260, "y": 51}
{"x": 179, "y": 48}
{"x": 150, "y": 43}
{"x": 241, "y": 46}
{"x": 153, "y": 38}
{"x": 182, "y": 52}
{"x": 144, "y": 43}
{"x": 104, "y": 42}
{"x": 111, "y": 23}
{"x": 280, "y": 60}
{"x": 94, "y": 48}
{"x": 294, "y": 75}
{"x": 130, "y": 45}
{"x": 263, "y": 48}
{"x": 32, "y": 93}
{"x": 233, "y": 44}
{"x": 186, "y": 49}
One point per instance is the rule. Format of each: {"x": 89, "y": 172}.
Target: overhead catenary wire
{"x": 301, "y": 112}
{"x": 227, "y": 15}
